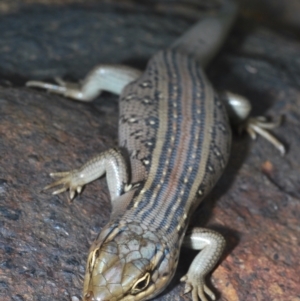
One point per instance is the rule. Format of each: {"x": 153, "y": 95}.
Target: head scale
{"x": 128, "y": 264}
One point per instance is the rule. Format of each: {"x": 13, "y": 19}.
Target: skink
{"x": 174, "y": 143}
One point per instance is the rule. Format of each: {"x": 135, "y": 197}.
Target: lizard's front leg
{"x": 110, "y": 162}
{"x": 111, "y": 78}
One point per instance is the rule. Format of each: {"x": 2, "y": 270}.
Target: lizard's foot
{"x": 110, "y": 162}
{"x": 71, "y": 180}
{"x": 66, "y": 89}
{"x": 197, "y": 287}
{"x": 260, "y": 125}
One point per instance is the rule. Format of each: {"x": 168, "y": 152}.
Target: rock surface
{"x": 44, "y": 239}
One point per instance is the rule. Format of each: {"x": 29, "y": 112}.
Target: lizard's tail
{"x": 205, "y": 38}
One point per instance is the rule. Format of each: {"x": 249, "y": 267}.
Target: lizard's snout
{"x": 89, "y": 296}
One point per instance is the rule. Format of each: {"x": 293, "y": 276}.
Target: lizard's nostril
{"x": 89, "y": 296}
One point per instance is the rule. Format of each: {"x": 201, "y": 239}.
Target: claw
{"x": 260, "y": 125}
{"x": 79, "y": 189}
{"x": 198, "y": 288}
{"x": 56, "y": 183}
{"x": 72, "y": 194}
{"x": 63, "y": 189}
{"x": 49, "y": 87}
{"x": 184, "y": 278}
{"x": 261, "y": 118}
{"x": 66, "y": 179}
{"x": 59, "y": 174}
{"x": 60, "y": 81}
{"x": 67, "y": 89}
{"x": 209, "y": 292}
{"x": 262, "y": 122}
{"x": 195, "y": 295}
{"x": 251, "y": 133}
{"x": 187, "y": 288}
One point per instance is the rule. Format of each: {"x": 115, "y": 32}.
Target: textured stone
{"x": 44, "y": 239}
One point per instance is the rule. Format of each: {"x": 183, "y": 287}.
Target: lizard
{"x": 174, "y": 143}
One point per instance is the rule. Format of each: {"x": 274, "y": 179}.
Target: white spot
{"x": 152, "y": 122}
{"x": 251, "y": 69}
{"x": 200, "y": 192}
{"x": 129, "y": 97}
{"x": 132, "y": 120}
{"x": 222, "y": 127}
{"x": 146, "y": 162}
{"x": 146, "y": 84}
{"x": 127, "y": 187}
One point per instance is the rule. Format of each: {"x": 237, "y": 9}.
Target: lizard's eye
{"x": 141, "y": 284}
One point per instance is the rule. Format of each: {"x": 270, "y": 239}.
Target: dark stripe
{"x": 163, "y": 154}
{"x": 174, "y": 154}
{"x": 189, "y": 161}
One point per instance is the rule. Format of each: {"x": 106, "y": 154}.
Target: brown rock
{"x": 44, "y": 240}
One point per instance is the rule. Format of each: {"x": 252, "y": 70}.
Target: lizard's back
{"x": 176, "y": 132}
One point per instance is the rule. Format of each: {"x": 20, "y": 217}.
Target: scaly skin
{"x": 129, "y": 264}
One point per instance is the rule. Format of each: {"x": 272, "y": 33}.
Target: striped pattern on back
{"x": 177, "y": 135}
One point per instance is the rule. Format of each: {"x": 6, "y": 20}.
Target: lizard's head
{"x": 129, "y": 264}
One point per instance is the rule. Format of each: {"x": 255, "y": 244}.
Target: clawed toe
{"x": 260, "y": 125}
{"x": 197, "y": 288}
{"x": 67, "y": 182}
{"x": 59, "y": 174}
{"x": 67, "y": 89}
{"x": 58, "y": 89}
{"x": 209, "y": 292}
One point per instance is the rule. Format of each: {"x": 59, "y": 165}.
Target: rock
{"x": 44, "y": 239}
